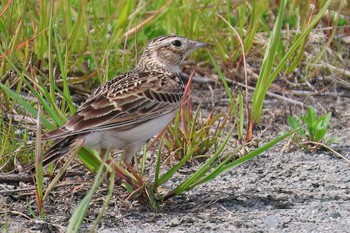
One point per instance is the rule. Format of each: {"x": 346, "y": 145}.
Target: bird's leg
{"x": 122, "y": 175}
{"x": 127, "y": 158}
{"x": 118, "y": 171}
{"x": 134, "y": 172}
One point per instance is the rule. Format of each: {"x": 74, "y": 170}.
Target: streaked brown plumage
{"x": 131, "y": 108}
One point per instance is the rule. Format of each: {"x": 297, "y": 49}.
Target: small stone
{"x": 272, "y": 222}
{"x": 335, "y": 215}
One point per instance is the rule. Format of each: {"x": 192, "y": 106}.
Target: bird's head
{"x": 168, "y": 52}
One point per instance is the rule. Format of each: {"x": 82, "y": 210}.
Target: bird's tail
{"x": 57, "y": 151}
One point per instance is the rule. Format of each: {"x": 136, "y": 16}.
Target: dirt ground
{"x": 290, "y": 191}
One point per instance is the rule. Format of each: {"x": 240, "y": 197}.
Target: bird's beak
{"x": 194, "y": 45}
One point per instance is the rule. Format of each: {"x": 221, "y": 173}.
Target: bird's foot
{"x": 128, "y": 174}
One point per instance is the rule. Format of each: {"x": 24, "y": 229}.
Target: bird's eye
{"x": 176, "y": 43}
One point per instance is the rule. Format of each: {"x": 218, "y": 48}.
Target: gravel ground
{"x": 290, "y": 192}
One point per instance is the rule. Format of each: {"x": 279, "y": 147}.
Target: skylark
{"x": 128, "y": 110}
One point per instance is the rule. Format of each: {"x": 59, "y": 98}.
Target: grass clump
{"x": 316, "y": 127}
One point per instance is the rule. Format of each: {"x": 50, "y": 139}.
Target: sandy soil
{"x": 293, "y": 191}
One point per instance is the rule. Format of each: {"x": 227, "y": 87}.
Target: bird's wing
{"x": 125, "y": 102}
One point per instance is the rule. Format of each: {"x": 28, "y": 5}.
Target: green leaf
{"x": 293, "y": 122}
{"x": 322, "y": 122}
{"x": 309, "y": 119}
{"x": 321, "y": 127}
{"x": 342, "y": 22}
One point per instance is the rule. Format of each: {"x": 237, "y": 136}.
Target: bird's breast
{"x": 117, "y": 139}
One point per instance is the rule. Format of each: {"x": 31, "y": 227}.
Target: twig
{"x": 16, "y": 178}
{"x": 334, "y": 68}
{"x": 205, "y": 79}
{"x": 26, "y": 178}
{"x": 328, "y": 148}
{"x": 316, "y": 93}
{"x": 16, "y": 190}
{"x": 33, "y": 188}
{"x": 19, "y": 118}
{"x": 197, "y": 78}
{"x": 16, "y": 212}
{"x": 274, "y": 95}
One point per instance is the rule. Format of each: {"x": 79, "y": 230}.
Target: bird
{"x": 125, "y": 112}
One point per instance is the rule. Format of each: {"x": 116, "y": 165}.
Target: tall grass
{"x": 267, "y": 74}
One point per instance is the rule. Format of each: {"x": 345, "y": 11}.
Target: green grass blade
{"x": 205, "y": 167}
{"x": 268, "y": 61}
{"x": 90, "y": 160}
{"x": 221, "y": 75}
{"x": 265, "y": 77}
{"x": 107, "y": 198}
{"x": 63, "y": 63}
{"x": 39, "y": 178}
{"x": 80, "y": 211}
{"x": 26, "y": 106}
{"x": 156, "y": 177}
{"x": 241, "y": 160}
{"x": 176, "y": 167}
{"x": 53, "y": 114}
{"x": 299, "y": 41}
